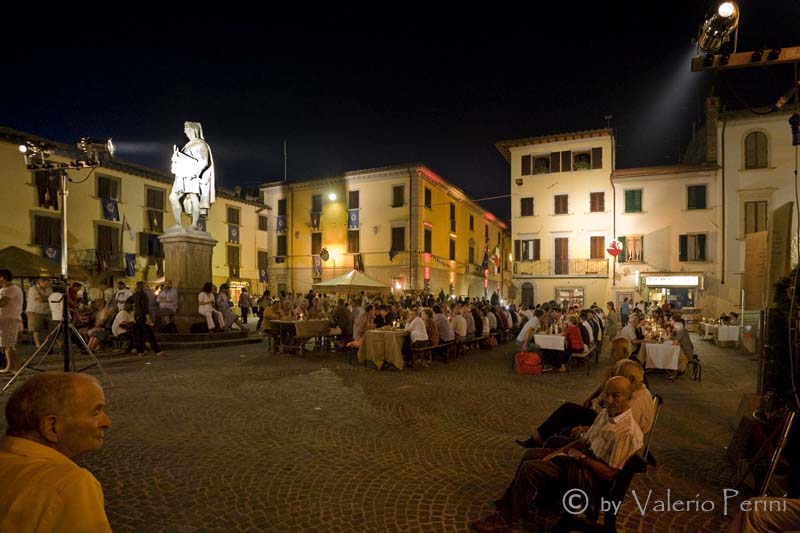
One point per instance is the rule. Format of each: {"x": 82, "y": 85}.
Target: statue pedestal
{"x": 187, "y": 262}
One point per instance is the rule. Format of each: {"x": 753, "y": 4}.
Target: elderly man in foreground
{"x": 589, "y": 463}
{"x": 52, "y": 419}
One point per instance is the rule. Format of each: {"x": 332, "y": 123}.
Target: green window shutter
{"x": 517, "y": 250}
{"x": 622, "y": 254}
{"x": 683, "y": 241}
{"x": 701, "y": 244}
{"x": 637, "y": 201}
{"x": 692, "y": 198}
{"x": 629, "y": 199}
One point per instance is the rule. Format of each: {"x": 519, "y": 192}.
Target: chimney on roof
{"x": 712, "y": 117}
{"x": 237, "y": 190}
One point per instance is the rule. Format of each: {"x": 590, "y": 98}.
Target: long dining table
{"x": 383, "y": 345}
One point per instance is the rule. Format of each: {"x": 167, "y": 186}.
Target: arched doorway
{"x": 527, "y": 294}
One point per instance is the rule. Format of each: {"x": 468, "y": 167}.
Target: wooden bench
{"x": 423, "y": 354}
{"x": 584, "y": 356}
{"x": 446, "y": 350}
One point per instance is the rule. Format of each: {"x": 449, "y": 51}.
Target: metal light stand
{"x": 65, "y": 327}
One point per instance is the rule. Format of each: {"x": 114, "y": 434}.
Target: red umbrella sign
{"x": 614, "y": 248}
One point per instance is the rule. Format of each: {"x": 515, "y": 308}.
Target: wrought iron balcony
{"x": 93, "y": 259}
{"x": 562, "y": 267}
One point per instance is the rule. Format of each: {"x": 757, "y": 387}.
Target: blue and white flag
{"x": 201, "y": 224}
{"x": 352, "y": 219}
{"x": 130, "y": 264}
{"x": 110, "y": 210}
{"x": 485, "y": 264}
{"x": 317, "y": 270}
{"x": 233, "y": 233}
{"x": 51, "y": 252}
{"x": 280, "y": 226}
{"x": 262, "y": 275}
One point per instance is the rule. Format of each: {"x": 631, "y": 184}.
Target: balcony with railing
{"x": 99, "y": 260}
{"x": 562, "y": 267}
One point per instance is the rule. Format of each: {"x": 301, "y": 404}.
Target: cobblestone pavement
{"x": 238, "y": 440}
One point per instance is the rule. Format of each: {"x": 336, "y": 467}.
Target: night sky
{"x": 374, "y": 89}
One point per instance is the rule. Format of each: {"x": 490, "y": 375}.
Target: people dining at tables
{"x": 417, "y": 330}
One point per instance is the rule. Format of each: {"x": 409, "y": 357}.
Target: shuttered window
{"x": 281, "y": 246}
{"x": 566, "y": 160}
{"x": 541, "y": 165}
{"x": 755, "y": 150}
{"x": 696, "y": 196}
{"x": 233, "y": 255}
{"x": 561, "y": 204}
{"x": 526, "y": 207}
{"x": 47, "y": 230}
{"x": 427, "y": 242}
{"x": 555, "y": 162}
{"x": 149, "y": 245}
{"x": 233, "y": 215}
{"x": 692, "y": 247}
{"x": 526, "y": 166}
{"x": 755, "y": 217}
{"x": 282, "y": 207}
{"x": 597, "y": 245}
{"x": 597, "y": 202}
{"x": 107, "y": 239}
{"x": 633, "y": 201}
{"x": 398, "y": 195}
{"x": 353, "y": 200}
{"x": 263, "y": 223}
{"x": 399, "y": 239}
{"x": 428, "y": 201}
{"x": 597, "y": 158}
{"x": 632, "y": 249}
{"x": 353, "y": 241}
{"x": 263, "y": 261}
{"x": 316, "y": 203}
{"x": 452, "y": 250}
{"x": 107, "y": 188}
{"x": 527, "y": 250}
{"x": 316, "y": 243}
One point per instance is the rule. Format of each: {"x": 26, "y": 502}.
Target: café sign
{"x": 672, "y": 281}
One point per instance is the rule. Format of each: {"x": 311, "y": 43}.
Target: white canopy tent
{"x": 353, "y": 281}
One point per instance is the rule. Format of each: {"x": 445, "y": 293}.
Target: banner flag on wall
{"x": 352, "y": 219}
{"x": 110, "y": 209}
{"x": 233, "y": 233}
{"x": 130, "y": 264}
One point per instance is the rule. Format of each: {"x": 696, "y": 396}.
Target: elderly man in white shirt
{"x": 416, "y": 328}
{"x": 598, "y": 456}
{"x": 167, "y": 301}
{"x": 459, "y": 324}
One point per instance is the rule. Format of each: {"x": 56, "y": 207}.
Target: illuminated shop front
{"x": 664, "y": 287}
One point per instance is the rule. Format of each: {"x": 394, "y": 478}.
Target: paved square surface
{"x": 238, "y": 440}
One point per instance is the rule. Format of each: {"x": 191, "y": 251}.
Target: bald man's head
{"x": 632, "y": 371}
{"x": 618, "y": 395}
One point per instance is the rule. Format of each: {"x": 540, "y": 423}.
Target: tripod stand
{"x": 66, "y": 328}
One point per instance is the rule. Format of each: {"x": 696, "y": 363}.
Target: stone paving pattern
{"x": 238, "y": 440}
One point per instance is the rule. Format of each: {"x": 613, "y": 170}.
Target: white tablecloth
{"x": 550, "y": 342}
{"x": 709, "y": 329}
{"x": 727, "y": 333}
{"x": 661, "y": 355}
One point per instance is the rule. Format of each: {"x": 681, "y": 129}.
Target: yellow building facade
{"x": 99, "y": 242}
{"x": 403, "y": 225}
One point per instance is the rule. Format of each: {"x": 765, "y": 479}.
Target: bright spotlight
{"x": 726, "y": 9}
{"x": 23, "y": 149}
{"x": 717, "y": 28}
{"x": 332, "y": 197}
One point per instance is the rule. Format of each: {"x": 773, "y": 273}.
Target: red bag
{"x": 527, "y": 363}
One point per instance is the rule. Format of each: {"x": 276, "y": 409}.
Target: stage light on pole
{"x": 717, "y": 28}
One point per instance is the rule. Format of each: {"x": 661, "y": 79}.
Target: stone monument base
{"x": 187, "y": 262}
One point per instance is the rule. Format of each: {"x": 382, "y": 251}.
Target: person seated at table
{"x": 123, "y": 326}
{"x": 99, "y": 332}
{"x": 273, "y": 312}
{"x": 469, "y": 318}
{"x": 316, "y": 312}
{"x": 492, "y": 318}
{"x": 391, "y": 314}
{"x": 445, "y": 328}
{"x": 590, "y": 463}
{"x": 459, "y": 324}
{"x": 380, "y": 317}
{"x": 574, "y": 344}
{"x": 633, "y": 332}
{"x": 588, "y": 337}
{"x": 364, "y": 323}
{"x": 301, "y": 311}
{"x": 344, "y": 319}
{"x": 734, "y": 319}
{"x": 525, "y": 339}
{"x": 680, "y": 336}
{"x": 430, "y": 326}
{"x": 416, "y": 327}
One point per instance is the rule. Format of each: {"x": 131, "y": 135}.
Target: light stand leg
{"x": 776, "y": 456}
{"x": 45, "y": 347}
{"x": 91, "y": 355}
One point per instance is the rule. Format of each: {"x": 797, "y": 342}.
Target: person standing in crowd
{"x": 625, "y": 311}
{"x": 122, "y": 295}
{"x": 611, "y": 325}
{"x": 52, "y": 418}
{"x": 38, "y": 309}
{"x": 167, "y": 301}
{"x": 263, "y": 303}
{"x": 124, "y": 325}
{"x": 10, "y": 319}
{"x": 144, "y": 323}
{"x": 244, "y": 304}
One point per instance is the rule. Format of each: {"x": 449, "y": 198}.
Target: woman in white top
{"x": 416, "y": 326}
{"x": 205, "y": 306}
